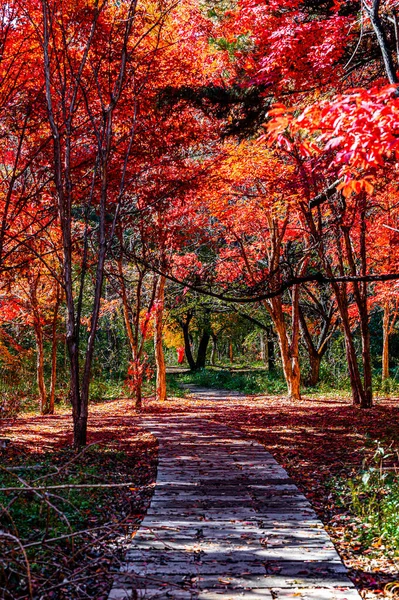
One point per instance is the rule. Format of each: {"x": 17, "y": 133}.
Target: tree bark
{"x": 80, "y": 429}
{"x": 353, "y": 367}
{"x": 139, "y": 396}
{"x": 271, "y": 351}
{"x": 187, "y": 344}
{"x": 40, "y": 368}
{"x": 214, "y": 349}
{"x": 264, "y": 349}
{"x": 317, "y": 349}
{"x": 294, "y": 346}
{"x": 38, "y": 329}
{"x": 289, "y": 351}
{"x": 202, "y": 348}
{"x": 367, "y": 396}
{"x": 125, "y": 308}
{"x": 315, "y": 362}
{"x": 54, "y": 345}
{"x": 160, "y": 393}
{"x": 385, "y": 343}
{"x": 382, "y": 39}
{"x": 290, "y": 366}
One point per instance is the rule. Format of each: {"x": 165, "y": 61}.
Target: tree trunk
{"x": 78, "y": 413}
{"x": 139, "y": 396}
{"x": 53, "y": 382}
{"x": 361, "y": 300}
{"x": 295, "y": 382}
{"x": 125, "y": 306}
{"x": 214, "y": 349}
{"x": 40, "y": 369}
{"x": 289, "y": 351}
{"x": 231, "y": 357}
{"x": 367, "y": 397}
{"x": 291, "y": 369}
{"x": 294, "y": 346}
{"x": 160, "y": 393}
{"x": 382, "y": 39}
{"x": 187, "y": 345}
{"x": 315, "y": 361}
{"x": 202, "y": 348}
{"x": 80, "y": 430}
{"x": 54, "y": 345}
{"x": 271, "y": 354}
{"x": 264, "y": 350}
{"x": 353, "y": 367}
{"x": 385, "y": 343}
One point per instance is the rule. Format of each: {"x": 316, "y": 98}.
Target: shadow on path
{"x": 226, "y": 521}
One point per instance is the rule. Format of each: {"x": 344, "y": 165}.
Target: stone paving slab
{"x": 226, "y": 521}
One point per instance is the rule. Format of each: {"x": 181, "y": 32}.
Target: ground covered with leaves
{"x": 328, "y": 447}
{"x": 67, "y": 517}
{"x": 344, "y": 459}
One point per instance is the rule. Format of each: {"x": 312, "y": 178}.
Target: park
{"x": 199, "y": 301}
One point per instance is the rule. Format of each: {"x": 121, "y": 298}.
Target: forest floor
{"x": 319, "y": 441}
{"x": 75, "y": 535}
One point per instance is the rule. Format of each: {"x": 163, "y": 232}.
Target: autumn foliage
{"x": 245, "y": 152}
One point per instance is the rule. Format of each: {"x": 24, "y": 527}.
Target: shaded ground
{"x": 73, "y": 536}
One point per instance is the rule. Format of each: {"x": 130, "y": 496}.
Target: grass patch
{"x": 249, "y": 382}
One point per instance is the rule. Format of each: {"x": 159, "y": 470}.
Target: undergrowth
{"x": 59, "y": 538}
{"x": 372, "y": 495}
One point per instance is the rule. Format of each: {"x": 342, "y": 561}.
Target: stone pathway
{"x": 226, "y": 522}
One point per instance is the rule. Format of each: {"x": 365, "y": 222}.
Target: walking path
{"x": 226, "y": 522}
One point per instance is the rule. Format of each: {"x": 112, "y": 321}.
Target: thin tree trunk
{"x": 291, "y": 370}
{"x": 158, "y": 347}
{"x": 353, "y": 367}
{"x": 380, "y": 33}
{"x": 125, "y": 308}
{"x": 231, "y": 356}
{"x": 40, "y": 368}
{"x": 38, "y": 329}
{"x": 360, "y": 294}
{"x": 385, "y": 343}
{"x": 264, "y": 349}
{"x": 214, "y": 349}
{"x": 367, "y": 397}
{"x": 271, "y": 354}
{"x": 294, "y": 346}
{"x": 54, "y": 346}
{"x": 187, "y": 345}
{"x": 139, "y": 396}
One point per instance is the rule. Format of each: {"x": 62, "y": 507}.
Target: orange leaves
{"x": 281, "y": 119}
{"x": 355, "y": 186}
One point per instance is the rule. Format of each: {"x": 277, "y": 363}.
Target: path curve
{"x": 226, "y": 521}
